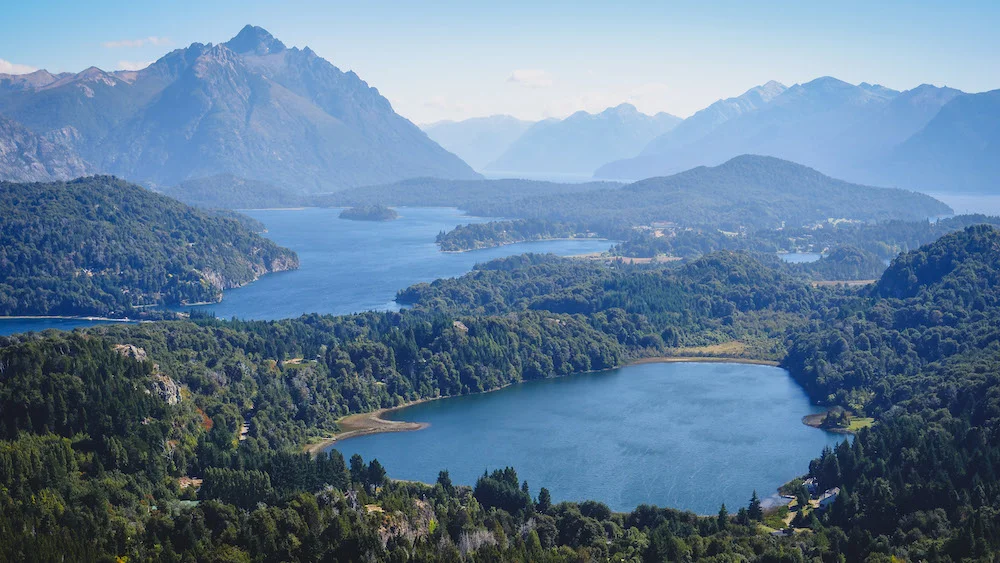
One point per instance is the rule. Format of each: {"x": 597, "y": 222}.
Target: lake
{"x": 799, "y": 257}
{"x": 16, "y": 326}
{"x": 684, "y": 435}
{"x": 348, "y": 266}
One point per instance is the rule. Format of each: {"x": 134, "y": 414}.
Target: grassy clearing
{"x": 731, "y": 348}
{"x": 858, "y": 423}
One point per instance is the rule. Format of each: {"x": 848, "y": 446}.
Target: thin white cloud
{"x": 531, "y": 77}
{"x": 7, "y": 67}
{"x": 445, "y": 105}
{"x": 133, "y": 65}
{"x": 132, "y": 43}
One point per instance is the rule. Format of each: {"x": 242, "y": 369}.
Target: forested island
{"x": 103, "y": 247}
{"x": 180, "y": 440}
{"x": 369, "y": 213}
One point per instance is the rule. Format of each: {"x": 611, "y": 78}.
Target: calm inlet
{"x": 347, "y": 266}
{"x": 351, "y": 266}
{"x": 685, "y": 435}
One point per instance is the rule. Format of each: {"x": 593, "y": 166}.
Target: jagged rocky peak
{"x": 256, "y": 40}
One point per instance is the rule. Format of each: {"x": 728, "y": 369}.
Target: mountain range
{"x": 250, "y": 107}
{"x": 479, "y": 140}
{"x": 930, "y": 138}
{"x": 575, "y": 145}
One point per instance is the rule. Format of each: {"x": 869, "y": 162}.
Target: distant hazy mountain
{"x": 249, "y": 107}
{"x": 480, "y": 140}
{"x": 838, "y": 128}
{"x": 958, "y": 151}
{"x": 803, "y": 124}
{"x": 649, "y": 162}
{"x": 28, "y": 157}
{"x": 873, "y": 139}
{"x": 580, "y": 143}
{"x": 747, "y": 190}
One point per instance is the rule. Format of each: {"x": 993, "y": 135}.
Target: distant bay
{"x": 347, "y": 266}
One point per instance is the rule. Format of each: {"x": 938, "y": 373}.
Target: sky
{"x": 437, "y": 60}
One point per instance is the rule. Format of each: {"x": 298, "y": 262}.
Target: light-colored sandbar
{"x": 361, "y": 424}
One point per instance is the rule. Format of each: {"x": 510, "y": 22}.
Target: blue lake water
{"x": 799, "y": 257}
{"x": 16, "y": 326}
{"x": 684, "y": 435}
{"x": 348, "y": 266}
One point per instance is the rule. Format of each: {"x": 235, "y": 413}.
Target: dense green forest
{"x": 498, "y": 233}
{"x": 718, "y": 298}
{"x": 920, "y": 351}
{"x": 369, "y": 213}
{"x": 128, "y": 441}
{"x": 102, "y": 246}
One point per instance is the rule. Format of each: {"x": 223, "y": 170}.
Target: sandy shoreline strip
{"x": 522, "y": 242}
{"x": 702, "y": 359}
{"x": 363, "y": 424}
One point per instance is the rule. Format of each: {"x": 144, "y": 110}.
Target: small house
{"x": 828, "y": 498}
{"x": 811, "y": 485}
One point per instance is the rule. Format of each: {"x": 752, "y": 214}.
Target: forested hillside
{"x": 102, "y": 246}
{"x": 748, "y": 190}
{"x": 723, "y": 297}
{"x": 920, "y": 351}
{"x": 179, "y": 440}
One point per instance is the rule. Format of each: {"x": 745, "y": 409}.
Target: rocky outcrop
{"x": 29, "y": 157}
{"x": 161, "y": 384}
{"x": 166, "y": 388}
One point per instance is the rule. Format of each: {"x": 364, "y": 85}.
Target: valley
{"x": 650, "y": 282}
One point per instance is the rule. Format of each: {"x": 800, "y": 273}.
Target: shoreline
{"x": 702, "y": 359}
{"x": 364, "y": 424}
{"x": 816, "y": 420}
{"x": 522, "y": 242}
{"x": 65, "y": 317}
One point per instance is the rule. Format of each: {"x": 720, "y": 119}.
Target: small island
{"x": 369, "y": 213}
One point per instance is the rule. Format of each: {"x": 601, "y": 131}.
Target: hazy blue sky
{"x": 451, "y": 60}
